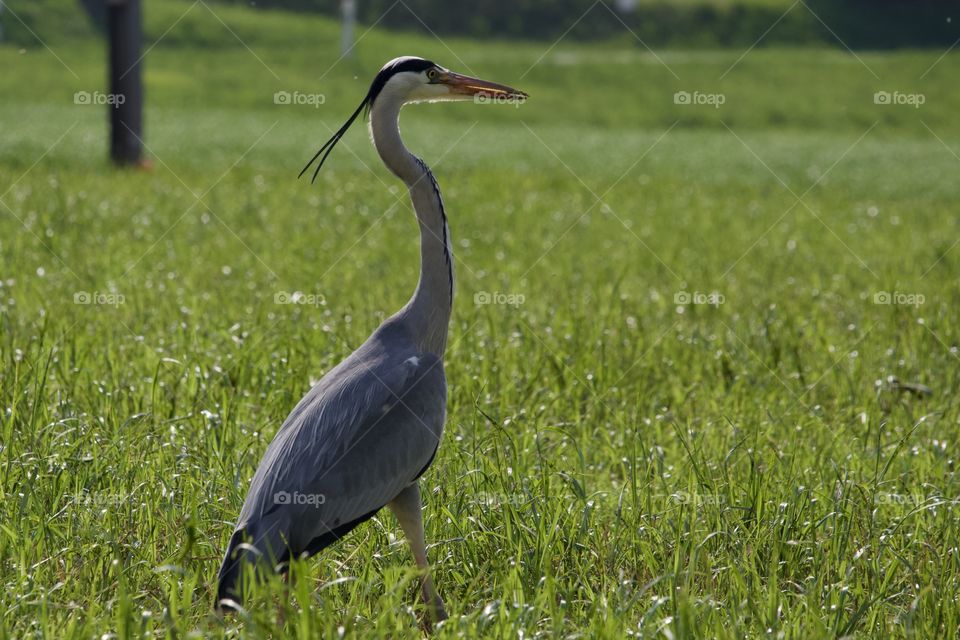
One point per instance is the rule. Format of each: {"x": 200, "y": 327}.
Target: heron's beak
{"x": 481, "y": 90}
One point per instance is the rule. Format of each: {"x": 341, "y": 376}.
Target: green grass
{"x": 614, "y": 463}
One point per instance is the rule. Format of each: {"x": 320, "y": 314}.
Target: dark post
{"x": 125, "y": 102}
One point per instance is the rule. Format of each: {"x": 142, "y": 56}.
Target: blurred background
{"x": 881, "y": 24}
{"x": 218, "y": 53}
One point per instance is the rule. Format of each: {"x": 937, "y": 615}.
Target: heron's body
{"x": 363, "y": 435}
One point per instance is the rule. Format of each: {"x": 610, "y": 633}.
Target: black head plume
{"x": 395, "y": 66}
{"x": 329, "y": 144}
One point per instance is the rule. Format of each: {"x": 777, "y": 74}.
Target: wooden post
{"x": 124, "y": 32}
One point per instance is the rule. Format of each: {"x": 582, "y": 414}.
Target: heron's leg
{"x": 407, "y": 508}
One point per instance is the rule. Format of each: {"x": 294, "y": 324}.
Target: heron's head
{"x": 410, "y": 79}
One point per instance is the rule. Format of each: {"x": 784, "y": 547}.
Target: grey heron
{"x": 361, "y": 438}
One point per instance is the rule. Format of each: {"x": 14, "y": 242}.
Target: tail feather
{"x": 228, "y": 580}
{"x": 252, "y": 546}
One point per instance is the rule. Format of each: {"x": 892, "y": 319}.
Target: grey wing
{"x": 347, "y": 452}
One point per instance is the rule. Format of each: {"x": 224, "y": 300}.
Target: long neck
{"x": 427, "y": 314}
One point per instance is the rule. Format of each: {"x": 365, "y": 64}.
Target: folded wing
{"x": 356, "y": 440}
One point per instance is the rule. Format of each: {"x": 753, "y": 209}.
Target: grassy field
{"x": 619, "y": 459}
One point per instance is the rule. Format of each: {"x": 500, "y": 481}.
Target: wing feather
{"x": 355, "y": 441}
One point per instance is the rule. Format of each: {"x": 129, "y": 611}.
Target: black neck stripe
{"x": 443, "y": 221}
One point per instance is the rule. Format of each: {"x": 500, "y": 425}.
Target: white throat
{"x": 427, "y": 314}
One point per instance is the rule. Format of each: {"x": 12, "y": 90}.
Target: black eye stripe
{"x": 397, "y": 65}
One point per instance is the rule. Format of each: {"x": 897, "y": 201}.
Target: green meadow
{"x": 703, "y": 360}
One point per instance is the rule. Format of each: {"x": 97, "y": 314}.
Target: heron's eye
{"x": 432, "y": 74}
